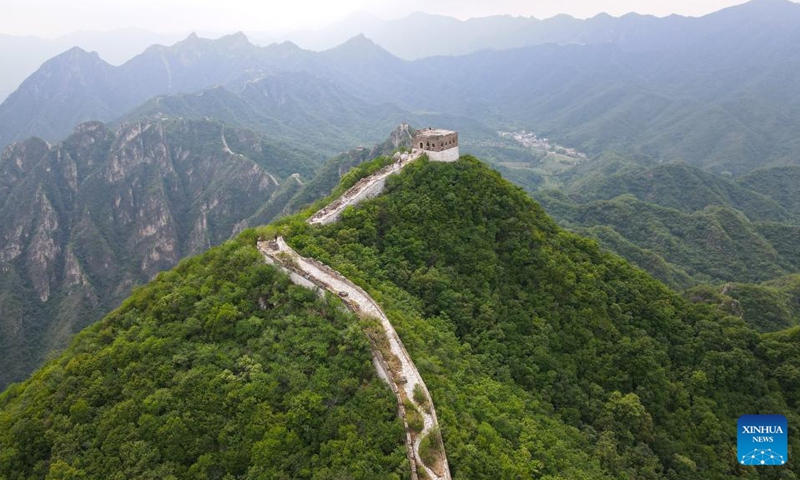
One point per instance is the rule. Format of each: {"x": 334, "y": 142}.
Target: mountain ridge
{"x": 702, "y": 104}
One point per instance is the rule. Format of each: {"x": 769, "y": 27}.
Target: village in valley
{"x": 532, "y": 141}
{"x": 524, "y": 151}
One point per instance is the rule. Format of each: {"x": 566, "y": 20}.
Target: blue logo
{"x": 762, "y": 440}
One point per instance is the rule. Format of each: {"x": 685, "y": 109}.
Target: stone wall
{"x": 449, "y": 155}
{"x": 439, "y": 145}
{"x": 366, "y": 188}
{"x": 432, "y": 141}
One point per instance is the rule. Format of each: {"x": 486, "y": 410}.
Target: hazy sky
{"x": 50, "y": 18}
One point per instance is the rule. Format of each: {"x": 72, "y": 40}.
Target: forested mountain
{"x": 767, "y": 307}
{"x": 674, "y": 185}
{"x": 545, "y": 357}
{"x": 480, "y": 280}
{"x": 682, "y": 224}
{"x": 705, "y": 220}
{"x": 220, "y": 367}
{"x": 782, "y": 184}
{"x": 546, "y": 354}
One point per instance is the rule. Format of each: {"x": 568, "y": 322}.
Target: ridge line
{"x": 390, "y": 357}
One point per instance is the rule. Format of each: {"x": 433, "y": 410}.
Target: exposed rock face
{"x": 43, "y": 251}
{"x": 401, "y": 136}
{"x": 83, "y": 221}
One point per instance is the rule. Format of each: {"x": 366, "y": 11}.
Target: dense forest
{"x": 606, "y": 371}
{"x": 546, "y": 357}
{"x": 768, "y": 306}
{"x": 220, "y": 368}
{"x": 684, "y": 225}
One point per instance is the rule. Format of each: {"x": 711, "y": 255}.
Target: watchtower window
{"x": 421, "y": 144}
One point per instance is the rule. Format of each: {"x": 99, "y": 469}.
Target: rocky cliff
{"x": 83, "y": 221}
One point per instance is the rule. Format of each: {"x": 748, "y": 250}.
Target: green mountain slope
{"x": 767, "y": 307}
{"x": 219, "y": 368}
{"x": 674, "y": 185}
{"x": 713, "y": 244}
{"x": 505, "y": 312}
{"x": 682, "y": 224}
{"x": 782, "y": 184}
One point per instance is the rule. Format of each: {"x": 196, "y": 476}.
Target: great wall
{"x": 366, "y": 188}
{"x": 392, "y": 361}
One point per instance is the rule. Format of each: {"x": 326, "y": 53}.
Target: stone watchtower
{"x": 439, "y": 145}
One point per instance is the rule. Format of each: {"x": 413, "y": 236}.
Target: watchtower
{"x": 439, "y": 145}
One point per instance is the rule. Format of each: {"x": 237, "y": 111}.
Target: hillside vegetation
{"x": 85, "y": 220}
{"x": 602, "y": 366}
{"x": 682, "y": 224}
{"x": 220, "y": 368}
{"x": 767, "y": 307}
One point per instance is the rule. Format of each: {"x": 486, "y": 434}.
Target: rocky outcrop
{"x": 83, "y": 221}
{"x": 43, "y": 250}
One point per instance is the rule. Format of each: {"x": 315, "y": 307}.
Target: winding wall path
{"x": 398, "y": 369}
{"x": 366, "y": 188}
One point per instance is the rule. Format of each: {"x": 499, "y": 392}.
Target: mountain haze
{"x": 421, "y": 35}
{"x": 77, "y": 86}
{"x": 22, "y": 55}
{"x": 297, "y": 107}
{"x": 714, "y": 91}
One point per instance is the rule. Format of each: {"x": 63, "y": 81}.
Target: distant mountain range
{"x": 421, "y": 35}
{"x": 77, "y": 86}
{"x": 295, "y": 107}
{"x": 22, "y": 55}
{"x": 412, "y": 37}
{"x": 715, "y": 92}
